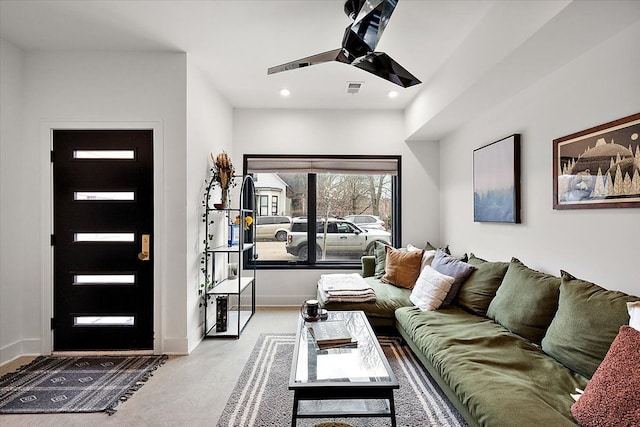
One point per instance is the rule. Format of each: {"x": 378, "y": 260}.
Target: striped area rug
{"x": 262, "y": 398}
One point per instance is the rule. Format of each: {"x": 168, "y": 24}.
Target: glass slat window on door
{"x": 104, "y": 196}
{"x": 104, "y": 279}
{"x": 104, "y": 154}
{"x": 104, "y": 321}
{"x": 104, "y": 237}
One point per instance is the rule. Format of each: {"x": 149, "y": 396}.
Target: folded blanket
{"x": 366, "y": 297}
{"x": 345, "y": 288}
{"x": 343, "y": 282}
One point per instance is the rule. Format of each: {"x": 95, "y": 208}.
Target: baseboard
{"x": 18, "y": 349}
{"x": 175, "y": 346}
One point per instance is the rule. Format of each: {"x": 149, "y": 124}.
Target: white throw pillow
{"x": 430, "y": 289}
{"x": 634, "y": 314}
{"x": 427, "y": 256}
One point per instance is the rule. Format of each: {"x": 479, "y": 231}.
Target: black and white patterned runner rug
{"x": 74, "y": 384}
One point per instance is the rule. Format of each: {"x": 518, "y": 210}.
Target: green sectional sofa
{"x": 513, "y": 344}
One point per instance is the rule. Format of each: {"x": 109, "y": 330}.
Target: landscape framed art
{"x": 598, "y": 167}
{"x": 496, "y": 181}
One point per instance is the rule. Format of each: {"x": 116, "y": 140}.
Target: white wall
{"x": 13, "y": 257}
{"x": 602, "y": 245}
{"x": 209, "y": 129}
{"x": 341, "y": 132}
{"x": 105, "y": 90}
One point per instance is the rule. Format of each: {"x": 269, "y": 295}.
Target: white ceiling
{"x": 236, "y": 41}
{"x": 470, "y": 55}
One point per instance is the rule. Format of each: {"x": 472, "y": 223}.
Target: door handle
{"x": 144, "y": 254}
{"x": 343, "y": 237}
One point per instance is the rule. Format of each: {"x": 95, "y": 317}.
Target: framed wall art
{"x": 598, "y": 167}
{"x": 496, "y": 181}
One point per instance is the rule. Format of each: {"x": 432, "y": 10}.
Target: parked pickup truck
{"x": 342, "y": 238}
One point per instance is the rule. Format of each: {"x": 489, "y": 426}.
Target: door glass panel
{"x": 104, "y": 195}
{"x": 104, "y": 321}
{"x": 101, "y": 279}
{"x": 104, "y": 237}
{"x": 104, "y": 154}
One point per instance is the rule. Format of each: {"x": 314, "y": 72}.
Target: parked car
{"x": 343, "y": 238}
{"x": 367, "y": 221}
{"x": 273, "y": 227}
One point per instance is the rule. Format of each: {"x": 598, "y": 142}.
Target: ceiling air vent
{"x": 353, "y": 87}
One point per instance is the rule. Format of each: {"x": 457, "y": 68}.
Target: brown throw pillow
{"x": 611, "y": 398}
{"x": 402, "y": 267}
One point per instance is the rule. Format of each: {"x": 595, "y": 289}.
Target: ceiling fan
{"x": 370, "y": 18}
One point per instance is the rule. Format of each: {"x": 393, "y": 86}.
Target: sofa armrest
{"x": 368, "y": 265}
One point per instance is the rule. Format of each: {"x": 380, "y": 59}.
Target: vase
{"x": 225, "y": 198}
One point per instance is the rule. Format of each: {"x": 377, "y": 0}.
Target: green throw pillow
{"x": 588, "y": 320}
{"x": 480, "y": 288}
{"x": 526, "y": 301}
{"x": 380, "y": 253}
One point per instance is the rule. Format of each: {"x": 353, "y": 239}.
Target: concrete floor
{"x": 186, "y": 391}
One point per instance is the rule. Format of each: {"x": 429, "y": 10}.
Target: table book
{"x": 332, "y": 333}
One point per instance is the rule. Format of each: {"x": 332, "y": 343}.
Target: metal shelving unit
{"x": 239, "y": 291}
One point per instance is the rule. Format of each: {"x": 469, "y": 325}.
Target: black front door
{"x": 103, "y": 240}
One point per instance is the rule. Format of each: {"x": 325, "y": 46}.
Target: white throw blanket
{"x": 345, "y": 288}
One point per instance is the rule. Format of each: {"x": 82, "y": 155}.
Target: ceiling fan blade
{"x": 330, "y": 56}
{"x": 371, "y": 21}
{"x": 382, "y": 65}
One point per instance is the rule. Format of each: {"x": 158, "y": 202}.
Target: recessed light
{"x": 393, "y": 94}
{"x": 285, "y": 92}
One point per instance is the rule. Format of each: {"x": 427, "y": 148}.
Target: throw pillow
{"x": 634, "y": 314}
{"x": 586, "y": 324}
{"x": 477, "y": 292}
{"x": 450, "y": 266}
{"x": 611, "y": 398}
{"x": 526, "y": 301}
{"x": 431, "y": 289}
{"x": 427, "y": 256}
{"x": 380, "y": 253}
{"x": 430, "y": 247}
{"x": 402, "y": 267}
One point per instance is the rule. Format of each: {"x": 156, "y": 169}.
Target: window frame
{"x": 312, "y": 263}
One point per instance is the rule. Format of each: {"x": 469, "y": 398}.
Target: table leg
{"x": 392, "y": 410}
{"x": 294, "y": 415}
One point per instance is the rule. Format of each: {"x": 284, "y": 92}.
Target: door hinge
{"x": 53, "y": 240}
{"x": 53, "y": 156}
{"x": 53, "y": 323}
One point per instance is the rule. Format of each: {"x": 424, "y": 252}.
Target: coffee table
{"x": 341, "y": 382}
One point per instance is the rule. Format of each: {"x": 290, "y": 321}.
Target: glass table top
{"x": 358, "y": 364}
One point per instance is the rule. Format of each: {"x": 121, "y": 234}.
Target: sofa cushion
{"x": 526, "y": 301}
{"x": 586, "y": 324}
{"x": 611, "y": 398}
{"x": 380, "y": 253}
{"x": 634, "y": 314}
{"x": 427, "y": 255}
{"x": 502, "y": 379}
{"x": 430, "y": 247}
{"x": 402, "y": 267}
{"x": 477, "y": 292}
{"x": 450, "y": 266}
{"x": 431, "y": 289}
